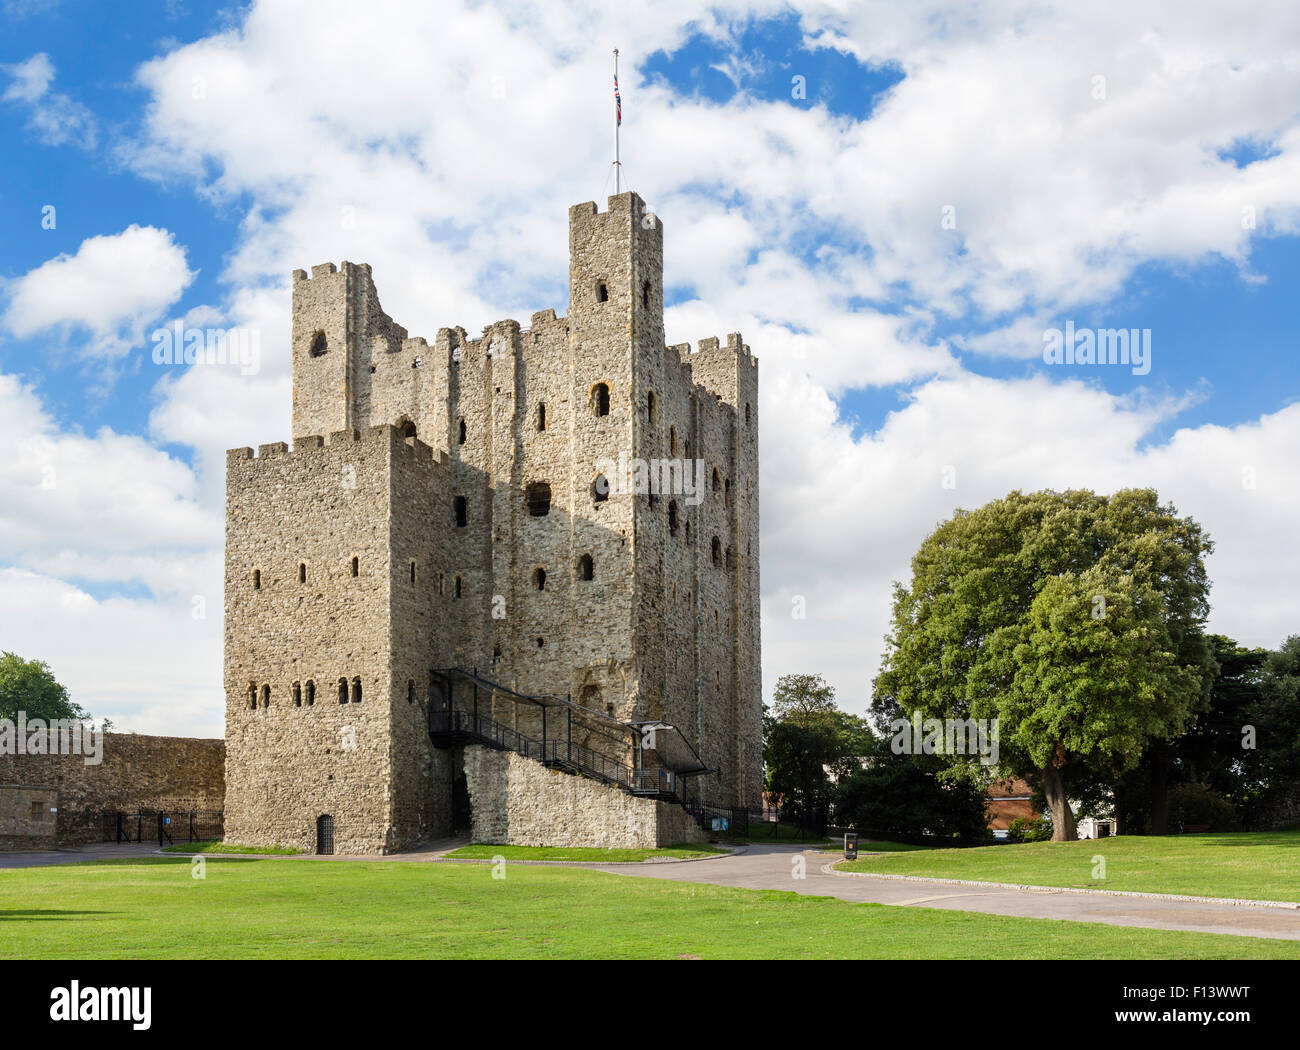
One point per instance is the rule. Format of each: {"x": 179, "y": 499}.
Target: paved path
{"x": 772, "y": 868}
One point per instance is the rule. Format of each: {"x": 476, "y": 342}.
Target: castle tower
{"x": 569, "y": 508}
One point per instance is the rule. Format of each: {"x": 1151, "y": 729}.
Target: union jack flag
{"x": 618, "y": 102}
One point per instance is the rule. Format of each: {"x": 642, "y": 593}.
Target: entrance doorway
{"x": 325, "y": 834}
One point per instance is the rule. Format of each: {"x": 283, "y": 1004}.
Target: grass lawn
{"x": 1258, "y": 866}
{"x": 583, "y": 853}
{"x": 217, "y": 846}
{"x": 150, "y": 907}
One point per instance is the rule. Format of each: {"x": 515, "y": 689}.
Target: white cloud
{"x": 55, "y": 118}
{"x": 111, "y": 288}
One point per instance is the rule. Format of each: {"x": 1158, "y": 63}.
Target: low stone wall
{"x": 173, "y": 774}
{"x": 520, "y": 802}
{"x": 28, "y": 817}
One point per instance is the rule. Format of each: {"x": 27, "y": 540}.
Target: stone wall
{"x": 28, "y": 817}
{"x": 516, "y": 801}
{"x": 138, "y": 773}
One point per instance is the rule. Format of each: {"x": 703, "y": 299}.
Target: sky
{"x": 896, "y": 204}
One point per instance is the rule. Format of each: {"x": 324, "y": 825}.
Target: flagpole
{"x": 618, "y": 167}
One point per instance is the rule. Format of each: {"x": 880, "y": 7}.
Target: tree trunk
{"x": 1159, "y": 801}
{"x": 1063, "y": 826}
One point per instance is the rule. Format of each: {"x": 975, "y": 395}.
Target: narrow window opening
{"x": 746, "y": 411}
{"x": 318, "y": 344}
{"x": 356, "y": 566}
{"x": 541, "y": 416}
{"x": 586, "y": 568}
{"x": 343, "y": 690}
{"x": 356, "y": 690}
{"x": 600, "y": 399}
{"x": 645, "y": 294}
{"x": 412, "y": 571}
{"x": 257, "y": 579}
{"x": 716, "y": 550}
{"x": 458, "y": 587}
{"x": 539, "y": 579}
{"x": 297, "y": 695}
{"x": 672, "y": 517}
{"x": 717, "y": 480}
{"x": 462, "y": 434}
{"x": 410, "y": 691}
{"x": 602, "y": 292}
{"x": 408, "y": 430}
{"x": 462, "y": 512}
{"x": 651, "y": 406}
{"x": 540, "y": 643}
{"x": 311, "y": 692}
{"x": 600, "y": 489}
{"x": 252, "y": 696}
{"x": 538, "y": 496}
{"x": 672, "y": 441}
{"x": 302, "y": 572}
{"x": 266, "y": 696}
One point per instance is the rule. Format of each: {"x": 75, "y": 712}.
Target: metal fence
{"x": 163, "y": 826}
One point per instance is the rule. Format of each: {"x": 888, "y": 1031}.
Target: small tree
{"x": 30, "y": 686}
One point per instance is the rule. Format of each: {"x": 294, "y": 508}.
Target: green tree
{"x": 29, "y": 686}
{"x": 1074, "y": 620}
{"x": 808, "y": 740}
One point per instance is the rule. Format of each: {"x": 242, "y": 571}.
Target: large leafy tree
{"x": 1075, "y": 620}
{"x": 30, "y": 686}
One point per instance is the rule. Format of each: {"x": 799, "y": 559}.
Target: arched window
{"x": 717, "y": 550}
{"x": 257, "y": 579}
{"x": 541, "y": 415}
{"x": 266, "y": 696}
{"x": 356, "y": 566}
{"x": 297, "y": 694}
{"x": 672, "y": 517}
{"x": 462, "y": 433}
{"x": 318, "y": 343}
{"x": 462, "y": 512}
{"x": 586, "y": 568}
{"x": 356, "y": 690}
{"x": 602, "y": 292}
{"x": 538, "y": 496}
{"x": 252, "y": 696}
{"x": 539, "y": 578}
{"x": 651, "y": 406}
{"x": 343, "y": 690}
{"x": 600, "y": 399}
{"x": 302, "y": 572}
{"x": 408, "y": 429}
{"x": 600, "y": 489}
{"x": 311, "y": 692}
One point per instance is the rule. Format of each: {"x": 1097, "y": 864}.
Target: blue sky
{"x": 891, "y": 346}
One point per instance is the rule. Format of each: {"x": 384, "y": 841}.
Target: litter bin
{"x": 850, "y": 845}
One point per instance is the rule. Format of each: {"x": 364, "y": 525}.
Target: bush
{"x": 1198, "y": 804}
{"x": 1030, "y": 829}
{"x": 898, "y": 796}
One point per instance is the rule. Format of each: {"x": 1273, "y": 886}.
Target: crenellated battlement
{"x": 384, "y": 436}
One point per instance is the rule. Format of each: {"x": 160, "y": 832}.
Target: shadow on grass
{"x": 45, "y": 913}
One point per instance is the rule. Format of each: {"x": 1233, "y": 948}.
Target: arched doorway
{"x": 325, "y": 834}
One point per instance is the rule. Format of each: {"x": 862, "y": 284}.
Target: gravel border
{"x": 1239, "y": 902}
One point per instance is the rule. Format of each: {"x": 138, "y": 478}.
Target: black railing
{"x": 585, "y": 760}
{"x": 163, "y": 826}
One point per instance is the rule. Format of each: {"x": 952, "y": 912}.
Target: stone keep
{"x": 461, "y": 504}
